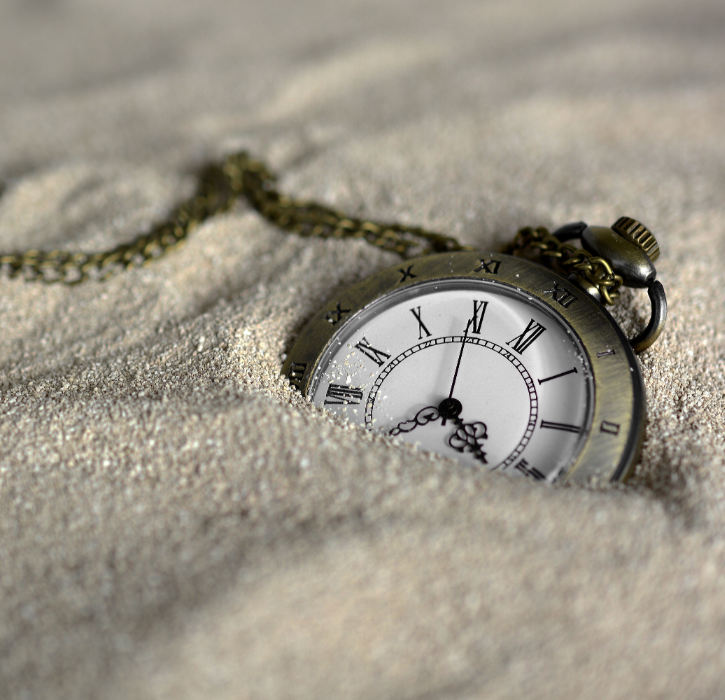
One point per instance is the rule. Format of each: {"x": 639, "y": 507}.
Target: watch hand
{"x": 469, "y": 437}
{"x": 450, "y": 407}
{"x": 426, "y": 415}
{"x": 460, "y": 357}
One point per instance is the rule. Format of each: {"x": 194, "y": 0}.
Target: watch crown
{"x": 637, "y": 233}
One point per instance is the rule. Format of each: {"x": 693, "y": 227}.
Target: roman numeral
{"x": 407, "y": 274}
{"x": 530, "y": 334}
{"x": 375, "y": 355}
{"x": 561, "y": 426}
{"x": 296, "y": 373}
{"x": 609, "y": 427}
{"x": 556, "y": 376}
{"x": 526, "y": 470}
{"x": 335, "y": 316}
{"x": 479, "y": 311}
{"x": 561, "y": 296}
{"x": 338, "y": 394}
{"x": 490, "y": 266}
{"x": 421, "y": 326}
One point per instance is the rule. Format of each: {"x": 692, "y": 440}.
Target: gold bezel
{"x": 615, "y": 437}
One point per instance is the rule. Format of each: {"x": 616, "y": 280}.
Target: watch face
{"x": 466, "y": 368}
{"x": 493, "y": 360}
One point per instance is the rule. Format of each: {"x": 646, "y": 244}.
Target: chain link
{"x": 219, "y": 188}
{"x": 239, "y": 176}
{"x": 566, "y": 259}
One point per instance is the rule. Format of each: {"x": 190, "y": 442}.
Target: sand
{"x": 176, "y": 522}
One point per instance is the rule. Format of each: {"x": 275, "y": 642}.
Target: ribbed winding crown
{"x": 637, "y": 233}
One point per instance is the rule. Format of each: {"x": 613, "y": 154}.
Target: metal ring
{"x": 569, "y": 232}
{"x": 657, "y": 321}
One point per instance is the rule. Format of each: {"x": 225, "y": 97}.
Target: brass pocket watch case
{"x": 512, "y": 324}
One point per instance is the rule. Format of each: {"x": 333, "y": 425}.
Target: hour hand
{"x": 448, "y": 409}
{"x": 426, "y": 415}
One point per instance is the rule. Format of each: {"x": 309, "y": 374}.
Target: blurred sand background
{"x": 175, "y": 522}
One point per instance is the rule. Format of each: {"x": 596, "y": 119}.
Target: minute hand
{"x": 460, "y": 357}
{"x": 451, "y": 408}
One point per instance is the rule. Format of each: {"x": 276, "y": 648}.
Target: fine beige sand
{"x": 177, "y": 523}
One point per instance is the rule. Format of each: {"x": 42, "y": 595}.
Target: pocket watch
{"x": 506, "y": 361}
{"x": 494, "y": 359}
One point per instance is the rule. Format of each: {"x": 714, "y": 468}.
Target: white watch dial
{"x": 470, "y": 369}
